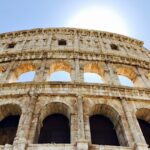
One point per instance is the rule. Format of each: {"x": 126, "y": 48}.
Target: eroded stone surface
{"x": 85, "y": 51}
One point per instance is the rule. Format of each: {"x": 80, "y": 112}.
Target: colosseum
{"x": 75, "y": 114}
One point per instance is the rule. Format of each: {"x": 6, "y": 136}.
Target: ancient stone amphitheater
{"x": 42, "y": 114}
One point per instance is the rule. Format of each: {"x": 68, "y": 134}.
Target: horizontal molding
{"x": 89, "y": 56}
{"x": 74, "y": 89}
{"x": 71, "y": 31}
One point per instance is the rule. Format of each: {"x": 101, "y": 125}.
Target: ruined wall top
{"x": 72, "y": 31}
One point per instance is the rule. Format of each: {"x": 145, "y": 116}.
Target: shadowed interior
{"x": 55, "y": 129}
{"x": 145, "y": 127}
{"x": 102, "y": 131}
{"x": 8, "y": 129}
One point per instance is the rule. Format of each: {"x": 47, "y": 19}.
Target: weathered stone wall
{"x": 85, "y": 51}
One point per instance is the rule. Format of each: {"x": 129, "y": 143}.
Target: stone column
{"x": 78, "y": 76}
{"x": 81, "y": 134}
{"x": 41, "y": 73}
{"x": 48, "y": 44}
{"x": 7, "y": 75}
{"x": 35, "y": 126}
{"x": 73, "y": 74}
{"x": 111, "y": 74}
{"x": 76, "y": 43}
{"x": 101, "y": 45}
{"x": 23, "y": 132}
{"x": 139, "y": 143}
{"x": 73, "y": 128}
{"x": 82, "y": 144}
{"x": 144, "y": 81}
{"x": 122, "y": 129}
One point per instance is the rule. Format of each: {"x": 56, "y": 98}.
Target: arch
{"x": 9, "y": 109}
{"x": 102, "y": 131}
{"x": 129, "y": 73}
{"x": 93, "y": 73}
{"x": 125, "y": 81}
{"x": 9, "y": 120}
{"x": 60, "y": 76}
{"x": 62, "y": 68}
{"x": 143, "y": 117}
{"x": 113, "y": 116}
{"x": 55, "y": 129}
{"x": 51, "y": 109}
{"x": 55, "y": 107}
{"x": 26, "y": 77}
{"x": 22, "y": 69}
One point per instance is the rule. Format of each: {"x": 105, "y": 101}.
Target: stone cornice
{"x": 66, "y": 88}
{"x": 72, "y": 31}
{"x": 89, "y": 56}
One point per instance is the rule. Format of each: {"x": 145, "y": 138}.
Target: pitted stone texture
{"x": 85, "y": 51}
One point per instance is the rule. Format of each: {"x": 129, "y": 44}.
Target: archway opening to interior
{"x": 55, "y": 129}
{"x": 8, "y": 129}
{"x": 145, "y": 127}
{"x": 102, "y": 131}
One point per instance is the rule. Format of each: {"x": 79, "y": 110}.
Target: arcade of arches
{"x": 65, "y": 72}
{"x": 106, "y": 128}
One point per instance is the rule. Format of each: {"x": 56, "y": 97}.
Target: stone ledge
{"x": 51, "y": 147}
{"x": 43, "y": 54}
{"x": 73, "y": 31}
{"x": 107, "y": 147}
{"x": 72, "y": 89}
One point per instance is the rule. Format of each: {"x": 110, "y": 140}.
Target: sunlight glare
{"x": 99, "y": 18}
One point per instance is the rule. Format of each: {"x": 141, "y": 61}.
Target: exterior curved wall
{"x": 84, "y": 51}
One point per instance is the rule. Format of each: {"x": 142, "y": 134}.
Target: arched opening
{"x": 8, "y": 129}
{"x": 125, "y": 81}
{"x": 26, "y": 77}
{"x": 92, "y": 78}
{"x": 101, "y": 116}
{"x": 93, "y": 73}
{"x": 9, "y": 120}
{"x": 60, "y": 76}
{"x": 102, "y": 131}
{"x": 23, "y": 73}
{"x": 60, "y": 71}
{"x": 145, "y": 127}
{"x": 127, "y": 76}
{"x": 144, "y": 123}
{"x": 55, "y": 129}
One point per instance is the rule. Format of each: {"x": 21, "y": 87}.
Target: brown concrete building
{"x": 75, "y": 115}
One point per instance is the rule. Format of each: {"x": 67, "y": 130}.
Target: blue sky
{"x": 28, "y": 14}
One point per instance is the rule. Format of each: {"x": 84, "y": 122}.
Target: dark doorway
{"x": 102, "y": 131}
{"x": 55, "y": 129}
{"x": 145, "y": 127}
{"x": 8, "y": 129}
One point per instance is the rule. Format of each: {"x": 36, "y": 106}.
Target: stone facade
{"x": 104, "y": 53}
